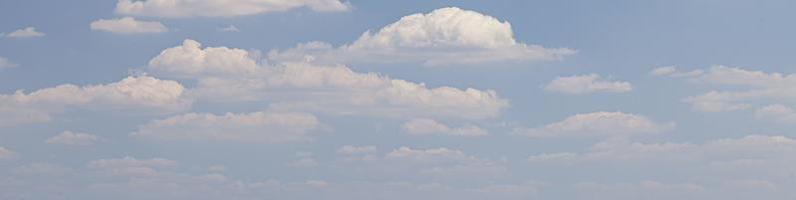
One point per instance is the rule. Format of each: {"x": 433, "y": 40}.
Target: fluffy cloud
{"x": 445, "y": 162}
{"x": 230, "y": 28}
{"x": 5, "y": 153}
{"x": 422, "y": 126}
{"x": 760, "y": 86}
{"x": 5, "y": 63}
{"x": 128, "y": 25}
{"x": 27, "y": 32}
{"x": 234, "y": 74}
{"x": 442, "y": 37}
{"x": 71, "y": 138}
{"x": 257, "y": 127}
{"x": 211, "y": 8}
{"x": 585, "y": 84}
{"x": 140, "y": 93}
{"x": 596, "y": 124}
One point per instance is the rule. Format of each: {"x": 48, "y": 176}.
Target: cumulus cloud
{"x": 211, "y": 8}
{"x": 230, "y": 74}
{"x": 756, "y": 86}
{"x": 442, "y": 37}
{"x": 585, "y": 84}
{"x": 27, "y": 32}
{"x": 72, "y": 138}
{"x": 423, "y": 126}
{"x": 596, "y": 124}
{"x": 128, "y": 25}
{"x": 135, "y": 93}
{"x": 5, "y": 63}
{"x": 257, "y": 127}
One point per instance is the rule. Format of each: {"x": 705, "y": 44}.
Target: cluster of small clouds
{"x": 766, "y": 91}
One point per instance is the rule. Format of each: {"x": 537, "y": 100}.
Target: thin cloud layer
{"x": 27, "y": 32}
{"x": 128, "y": 25}
{"x": 257, "y": 127}
{"x": 445, "y": 36}
{"x": 73, "y": 138}
{"x": 423, "y": 126}
{"x": 586, "y": 84}
{"x": 210, "y": 8}
{"x": 596, "y": 124}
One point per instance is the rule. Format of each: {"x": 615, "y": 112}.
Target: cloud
{"x": 422, "y": 126}
{"x": 444, "y": 36}
{"x": 135, "y": 93}
{"x": 444, "y": 162}
{"x": 5, "y": 153}
{"x": 596, "y": 124}
{"x": 757, "y": 86}
{"x": 257, "y": 127}
{"x": 230, "y": 28}
{"x": 5, "y": 63}
{"x": 229, "y": 74}
{"x": 586, "y": 84}
{"x": 128, "y": 25}
{"x": 27, "y": 32}
{"x": 70, "y": 138}
{"x": 211, "y": 8}
{"x": 777, "y": 112}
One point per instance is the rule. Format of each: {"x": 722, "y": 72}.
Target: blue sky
{"x": 397, "y": 99}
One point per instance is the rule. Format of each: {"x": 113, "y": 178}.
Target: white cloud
{"x": 423, "y": 126}
{"x": 5, "y": 63}
{"x": 128, "y": 25}
{"x": 672, "y": 71}
{"x": 778, "y": 112}
{"x": 765, "y": 155}
{"x": 585, "y": 84}
{"x": 754, "y": 87}
{"x": 257, "y": 127}
{"x": 27, "y": 32}
{"x": 235, "y": 75}
{"x": 596, "y": 124}
{"x": 354, "y": 150}
{"x": 141, "y": 93}
{"x": 230, "y": 28}
{"x": 5, "y": 153}
{"x": 211, "y": 8}
{"x": 444, "y": 162}
{"x": 442, "y": 37}
{"x": 71, "y": 138}
{"x": 133, "y": 167}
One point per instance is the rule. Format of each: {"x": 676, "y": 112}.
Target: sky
{"x": 416, "y": 99}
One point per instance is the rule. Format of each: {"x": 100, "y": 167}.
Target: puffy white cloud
{"x": 257, "y": 127}
{"x": 27, "y": 32}
{"x": 128, "y": 25}
{"x": 585, "y": 84}
{"x": 71, "y": 138}
{"x": 5, "y": 153}
{"x": 596, "y": 124}
{"x": 423, "y": 126}
{"x": 444, "y": 162}
{"x": 442, "y": 37}
{"x": 135, "y": 93}
{"x": 5, "y": 63}
{"x": 212, "y": 8}
{"x": 230, "y": 74}
{"x": 672, "y": 71}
